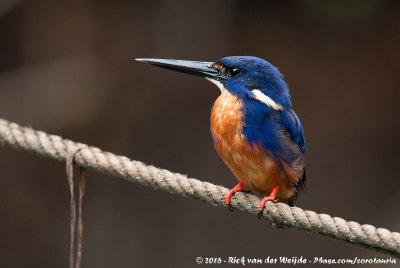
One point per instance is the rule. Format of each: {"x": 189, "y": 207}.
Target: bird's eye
{"x": 233, "y": 71}
{"x": 226, "y": 71}
{"x": 230, "y": 72}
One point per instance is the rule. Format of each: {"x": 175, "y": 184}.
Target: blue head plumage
{"x": 245, "y": 73}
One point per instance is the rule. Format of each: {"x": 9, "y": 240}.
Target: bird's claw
{"x": 229, "y": 206}
{"x": 262, "y": 205}
{"x": 259, "y": 214}
{"x": 237, "y": 188}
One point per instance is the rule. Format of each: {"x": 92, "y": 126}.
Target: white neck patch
{"x": 266, "y": 100}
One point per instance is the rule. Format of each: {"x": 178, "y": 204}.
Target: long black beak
{"x": 198, "y": 68}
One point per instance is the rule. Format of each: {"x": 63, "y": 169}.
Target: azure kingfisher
{"x": 253, "y": 126}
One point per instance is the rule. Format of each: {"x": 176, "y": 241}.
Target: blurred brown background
{"x": 67, "y": 67}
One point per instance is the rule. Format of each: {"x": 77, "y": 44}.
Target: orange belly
{"x": 251, "y": 164}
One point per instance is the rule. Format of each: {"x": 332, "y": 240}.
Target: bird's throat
{"x": 218, "y": 84}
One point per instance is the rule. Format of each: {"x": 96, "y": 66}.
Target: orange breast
{"x": 250, "y": 164}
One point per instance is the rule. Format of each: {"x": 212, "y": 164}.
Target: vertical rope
{"x": 82, "y": 189}
{"x": 70, "y": 177}
{"x": 75, "y": 260}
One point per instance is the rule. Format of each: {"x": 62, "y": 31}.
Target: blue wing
{"x": 293, "y": 127}
{"x": 265, "y": 125}
{"x": 292, "y": 124}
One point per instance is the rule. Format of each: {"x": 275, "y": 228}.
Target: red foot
{"x": 271, "y": 197}
{"x": 237, "y": 188}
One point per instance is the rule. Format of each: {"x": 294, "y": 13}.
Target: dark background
{"x": 66, "y": 67}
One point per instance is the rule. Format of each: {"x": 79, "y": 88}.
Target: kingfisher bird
{"x": 253, "y": 125}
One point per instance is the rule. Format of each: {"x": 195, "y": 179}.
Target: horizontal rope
{"x": 278, "y": 214}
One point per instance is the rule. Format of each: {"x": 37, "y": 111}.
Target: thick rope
{"x": 278, "y": 214}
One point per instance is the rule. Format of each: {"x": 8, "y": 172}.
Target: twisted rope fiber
{"x": 279, "y": 214}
